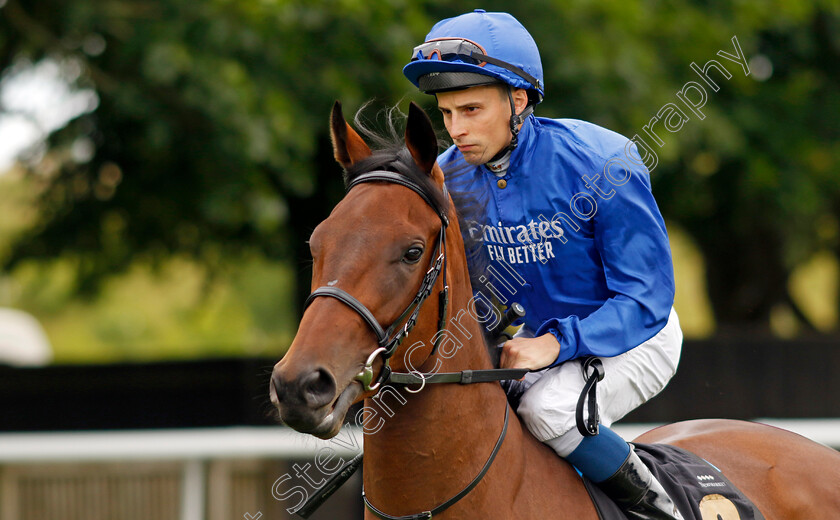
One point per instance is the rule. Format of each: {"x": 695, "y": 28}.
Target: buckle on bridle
{"x": 429, "y": 280}
{"x": 366, "y": 375}
{"x": 422, "y": 377}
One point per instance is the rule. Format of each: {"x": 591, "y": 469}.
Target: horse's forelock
{"x": 390, "y": 154}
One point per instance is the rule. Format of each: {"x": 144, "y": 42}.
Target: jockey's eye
{"x": 413, "y": 255}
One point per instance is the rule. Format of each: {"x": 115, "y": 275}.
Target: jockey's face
{"x": 478, "y": 119}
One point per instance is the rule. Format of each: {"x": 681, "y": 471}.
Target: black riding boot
{"x": 637, "y": 492}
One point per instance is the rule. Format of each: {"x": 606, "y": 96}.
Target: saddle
{"x": 699, "y": 490}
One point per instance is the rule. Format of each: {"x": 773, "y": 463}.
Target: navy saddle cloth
{"x": 699, "y": 490}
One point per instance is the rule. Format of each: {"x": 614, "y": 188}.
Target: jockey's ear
{"x": 348, "y": 146}
{"x": 421, "y": 141}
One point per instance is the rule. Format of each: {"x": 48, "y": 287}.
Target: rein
{"x": 388, "y": 342}
{"x": 445, "y": 505}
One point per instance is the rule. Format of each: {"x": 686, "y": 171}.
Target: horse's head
{"x": 376, "y": 248}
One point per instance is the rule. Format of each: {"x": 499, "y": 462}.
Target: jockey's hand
{"x": 530, "y": 353}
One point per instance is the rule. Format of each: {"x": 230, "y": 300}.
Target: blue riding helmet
{"x": 474, "y": 49}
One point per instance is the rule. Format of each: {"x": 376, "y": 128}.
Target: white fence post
{"x": 194, "y": 490}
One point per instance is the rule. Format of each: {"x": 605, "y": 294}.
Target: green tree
{"x": 210, "y": 134}
{"x": 754, "y": 182}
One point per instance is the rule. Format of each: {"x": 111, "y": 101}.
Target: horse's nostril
{"x": 318, "y": 388}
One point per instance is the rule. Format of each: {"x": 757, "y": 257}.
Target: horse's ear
{"x": 421, "y": 140}
{"x": 348, "y": 146}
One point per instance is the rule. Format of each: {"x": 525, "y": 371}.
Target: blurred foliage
{"x": 210, "y": 122}
{"x": 175, "y": 309}
{"x": 208, "y": 141}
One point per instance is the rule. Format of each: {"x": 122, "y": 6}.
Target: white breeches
{"x": 549, "y": 397}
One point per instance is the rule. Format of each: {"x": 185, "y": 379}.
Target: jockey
{"x": 567, "y": 206}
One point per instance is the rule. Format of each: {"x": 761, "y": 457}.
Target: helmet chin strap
{"x": 516, "y": 121}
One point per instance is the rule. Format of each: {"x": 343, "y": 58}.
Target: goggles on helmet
{"x": 448, "y": 49}
{"x": 466, "y": 51}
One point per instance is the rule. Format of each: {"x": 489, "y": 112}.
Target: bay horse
{"x": 370, "y": 256}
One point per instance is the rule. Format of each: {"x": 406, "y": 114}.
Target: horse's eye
{"x": 413, "y": 255}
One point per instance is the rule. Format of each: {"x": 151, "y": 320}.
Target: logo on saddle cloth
{"x": 718, "y": 507}
{"x": 699, "y": 490}
{"x": 709, "y": 481}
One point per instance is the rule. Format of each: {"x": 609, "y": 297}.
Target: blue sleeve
{"x": 630, "y": 236}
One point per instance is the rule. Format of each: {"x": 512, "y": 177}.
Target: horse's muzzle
{"x": 304, "y": 401}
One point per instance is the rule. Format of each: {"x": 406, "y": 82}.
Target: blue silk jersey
{"x": 573, "y": 233}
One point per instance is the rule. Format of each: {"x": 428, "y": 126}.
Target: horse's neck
{"x": 438, "y": 407}
{"x": 432, "y": 443}
{"x": 423, "y": 448}
{"x": 423, "y": 434}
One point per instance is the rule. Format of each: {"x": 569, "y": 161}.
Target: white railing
{"x": 195, "y": 452}
{"x": 194, "y": 444}
{"x": 257, "y": 442}
{"x": 193, "y": 449}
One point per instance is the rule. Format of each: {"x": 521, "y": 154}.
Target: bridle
{"x": 389, "y": 340}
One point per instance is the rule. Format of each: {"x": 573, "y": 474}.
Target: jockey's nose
{"x": 457, "y": 126}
